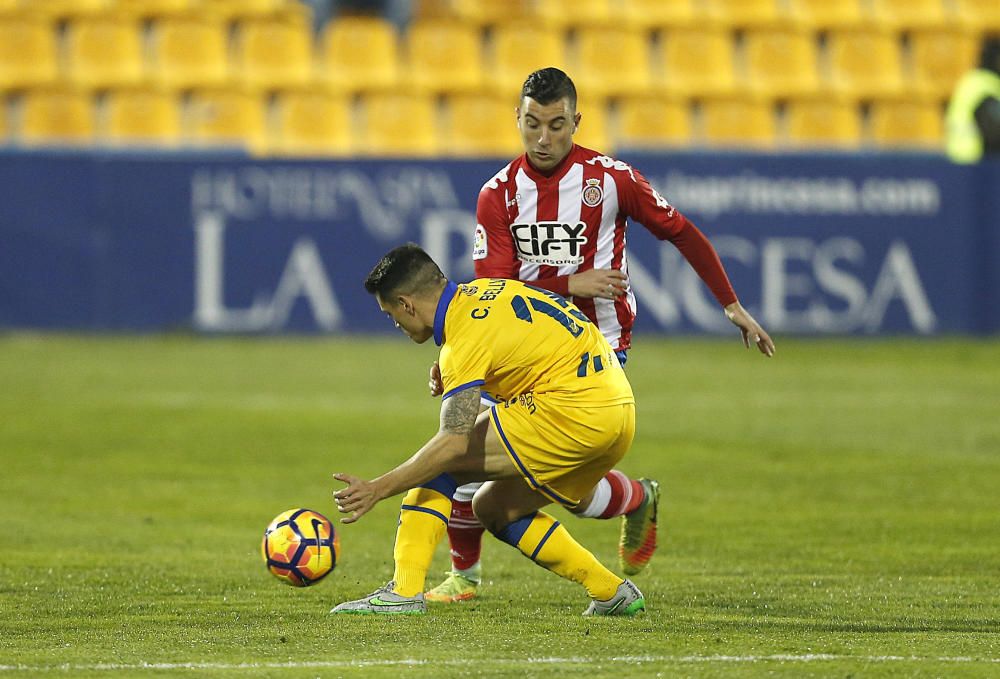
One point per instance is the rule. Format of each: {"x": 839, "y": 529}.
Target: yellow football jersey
{"x": 507, "y": 339}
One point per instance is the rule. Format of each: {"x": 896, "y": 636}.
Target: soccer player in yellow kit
{"x": 566, "y": 415}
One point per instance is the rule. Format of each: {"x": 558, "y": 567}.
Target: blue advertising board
{"x": 814, "y": 244}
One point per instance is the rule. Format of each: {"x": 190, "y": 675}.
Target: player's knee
{"x": 488, "y": 512}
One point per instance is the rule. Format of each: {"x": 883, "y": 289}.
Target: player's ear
{"x": 517, "y": 116}
{"x": 576, "y": 121}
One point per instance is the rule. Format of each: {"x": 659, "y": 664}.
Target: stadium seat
{"x": 595, "y": 127}
{"x": 231, "y": 10}
{"x": 104, "y": 51}
{"x": 312, "y": 122}
{"x": 612, "y": 61}
{"x": 28, "y": 52}
{"x": 482, "y": 14}
{"x": 738, "y": 122}
{"x": 823, "y": 121}
{"x": 57, "y": 116}
{"x": 906, "y": 14}
{"x": 865, "y": 62}
{"x": 481, "y": 124}
{"x": 143, "y": 116}
{"x": 444, "y": 56}
{"x": 782, "y": 62}
{"x": 698, "y": 61}
{"x": 907, "y": 123}
{"x": 271, "y": 53}
{"x": 560, "y": 14}
{"x": 149, "y": 9}
{"x": 64, "y": 9}
{"x": 226, "y": 117}
{"x": 398, "y": 124}
{"x": 189, "y": 51}
{"x": 979, "y": 15}
{"x": 827, "y": 14}
{"x": 940, "y": 57}
{"x": 743, "y": 13}
{"x": 360, "y": 54}
{"x": 653, "y": 120}
{"x": 657, "y": 14}
{"x": 521, "y": 48}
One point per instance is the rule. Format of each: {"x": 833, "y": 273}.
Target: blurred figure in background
{"x": 396, "y": 11}
{"x": 973, "y": 118}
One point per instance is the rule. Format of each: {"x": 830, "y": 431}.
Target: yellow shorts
{"x": 563, "y": 451}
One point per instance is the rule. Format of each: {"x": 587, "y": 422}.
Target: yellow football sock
{"x": 546, "y": 542}
{"x": 423, "y": 519}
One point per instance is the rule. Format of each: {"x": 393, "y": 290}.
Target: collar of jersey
{"x": 557, "y": 172}
{"x": 442, "y": 308}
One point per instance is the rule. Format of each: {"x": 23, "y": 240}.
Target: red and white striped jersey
{"x": 542, "y": 229}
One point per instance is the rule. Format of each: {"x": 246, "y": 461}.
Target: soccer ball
{"x": 300, "y": 547}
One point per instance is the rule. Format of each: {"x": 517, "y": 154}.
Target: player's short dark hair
{"x": 405, "y": 269}
{"x": 549, "y": 85}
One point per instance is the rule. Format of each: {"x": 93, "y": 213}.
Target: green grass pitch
{"x": 834, "y": 511}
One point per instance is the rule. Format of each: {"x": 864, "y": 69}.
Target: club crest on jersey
{"x": 479, "y": 248}
{"x": 549, "y": 243}
{"x": 593, "y": 193}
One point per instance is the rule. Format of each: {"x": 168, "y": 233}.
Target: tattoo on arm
{"x": 459, "y": 412}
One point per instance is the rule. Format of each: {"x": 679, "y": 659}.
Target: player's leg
{"x": 465, "y": 538}
{"x": 510, "y": 510}
{"x": 637, "y": 502}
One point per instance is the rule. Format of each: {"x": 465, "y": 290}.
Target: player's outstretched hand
{"x": 356, "y": 499}
{"x": 435, "y": 383}
{"x": 606, "y": 283}
{"x": 750, "y": 329}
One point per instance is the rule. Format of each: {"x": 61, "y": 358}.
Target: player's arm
{"x": 642, "y": 202}
{"x": 440, "y": 454}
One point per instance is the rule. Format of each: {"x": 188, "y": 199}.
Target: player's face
{"x": 547, "y": 130}
{"x": 402, "y": 314}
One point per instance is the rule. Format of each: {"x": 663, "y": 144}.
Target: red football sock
{"x": 465, "y": 534}
{"x": 626, "y": 494}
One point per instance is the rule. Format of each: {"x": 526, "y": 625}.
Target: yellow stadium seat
{"x": 482, "y": 14}
{"x": 823, "y": 121}
{"x": 143, "y": 116}
{"x": 782, "y": 62}
{"x": 571, "y": 13}
{"x": 104, "y": 51}
{"x": 698, "y": 61}
{"x": 612, "y": 61}
{"x": 360, "y": 53}
{"x": 481, "y": 125}
{"x": 907, "y": 123}
{"x": 227, "y": 117}
{"x": 243, "y": 9}
{"x": 444, "y": 56}
{"x": 399, "y": 124}
{"x": 979, "y": 15}
{"x": 904, "y": 14}
{"x": 57, "y": 116}
{"x": 656, "y": 14}
{"x": 826, "y": 14}
{"x": 522, "y": 48}
{"x": 312, "y": 122}
{"x": 28, "y": 52}
{"x": 271, "y": 54}
{"x": 738, "y": 122}
{"x": 653, "y": 120}
{"x": 940, "y": 57}
{"x": 63, "y": 9}
{"x": 154, "y": 8}
{"x": 865, "y": 62}
{"x": 595, "y": 126}
{"x": 188, "y": 51}
{"x": 743, "y": 13}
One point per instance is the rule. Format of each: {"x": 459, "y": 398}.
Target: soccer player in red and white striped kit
{"x": 556, "y": 217}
